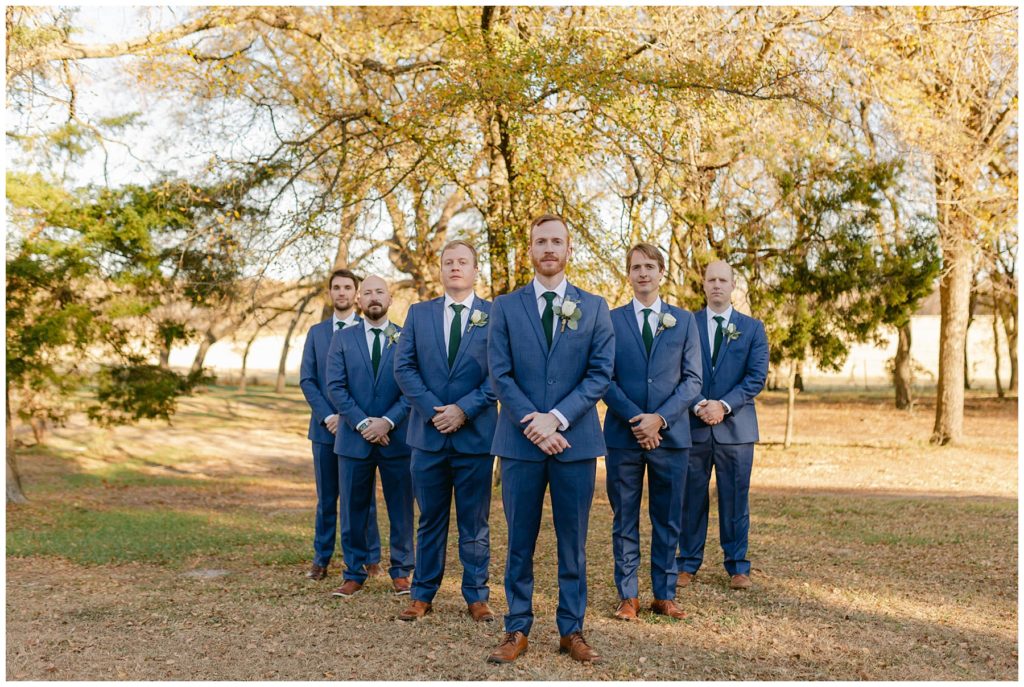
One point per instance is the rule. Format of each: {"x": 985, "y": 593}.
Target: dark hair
{"x": 348, "y": 274}
{"x": 648, "y": 250}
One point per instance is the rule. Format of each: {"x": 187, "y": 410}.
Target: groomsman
{"x": 724, "y": 429}
{"x": 657, "y": 377}
{"x": 323, "y": 426}
{"x": 551, "y": 352}
{"x": 371, "y": 437}
{"x": 441, "y": 367}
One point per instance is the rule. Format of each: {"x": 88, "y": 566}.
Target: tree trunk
{"x": 971, "y": 305}
{"x": 1000, "y": 392}
{"x": 15, "y": 494}
{"x": 1008, "y": 313}
{"x": 954, "y": 299}
{"x": 790, "y": 406}
{"x": 204, "y": 347}
{"x": 242, "y": 383}
{"x": 165, "y": 356}
{"x": 279, "y": 387}
{"x": 903, "y": 372}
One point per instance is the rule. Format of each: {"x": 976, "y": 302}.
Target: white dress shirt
{"x": 539, "y": 290}
{"x": 370, "y": 336}
{"x": 449, "y": 316}
{"x": 652, "y": 317}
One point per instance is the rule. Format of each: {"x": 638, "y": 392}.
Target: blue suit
{"x": 357, "y": 394}
{"x": 569, "y": 377}
{"x": 460, "y": 461}
{"x": 313, "y": 382}
{"x": 666, "y": 382}
{"x": 738, "y": 377}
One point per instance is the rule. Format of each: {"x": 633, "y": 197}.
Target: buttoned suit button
{"x": 650, "y": 381}
{"x": 551, "y": 381}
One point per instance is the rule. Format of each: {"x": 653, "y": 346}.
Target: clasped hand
{"x": 543, "y": 432}
{"x": 448, "y": 418}
{"x": 377, "y": 431}
{"x": 647, "y": 430}
{"x": 711, "y": 412}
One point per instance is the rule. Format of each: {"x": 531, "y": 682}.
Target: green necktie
{"x": 455, "y": 335}
{"x": 718, "y": 339}
{"x": 647, "y": 333}
{"x": 375, "y": 356}
{"x": 548, "y": 318}
{"x": 341, "y": 325}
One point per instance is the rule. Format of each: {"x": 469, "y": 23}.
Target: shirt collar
{"x": 539, "y": 289}
{"x": 656, "y": 306}
{"x": 367, "y": 326}
{"x": 349, "y": 321}
{"x": 468, "y": 301}
{"x": 727, "y": 315}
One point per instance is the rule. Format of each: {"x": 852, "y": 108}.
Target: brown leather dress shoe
{"x": 628, "y": 609}
{"x": 401, "y": 585}
{"x": 578, "y": 649}
{"x": 669, "y": 608}
{"x": 349, "y": 589}
{"x": 684, "y": 579}
{"x": 740, "y": 582}
{"x": 481, "y": 612}
{"x": 512, "y": 647}
{"x": 316, "y": 572}
{"x": 374, "y": 570}
{"x": 415, "y": 610}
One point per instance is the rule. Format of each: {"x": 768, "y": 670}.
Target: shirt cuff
{"x": 563, "y": 424}
{"x": 664, "y": 422}
{"x": 390, "y": 421}
{"x": 324, "y": 421}
{"x": 727, "y": 408}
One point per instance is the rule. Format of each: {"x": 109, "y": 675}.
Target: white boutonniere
{"x": 665, "y": 321}
{"x": 569, "y": 312}
{"x": 392, "y": 333}
{"x": 478, "y": 318}
{"x": 731, "y": 333}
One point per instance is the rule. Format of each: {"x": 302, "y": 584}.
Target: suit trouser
{"x": 435, "y": 476}
{"x": 357, "y": 491}
{"x": 732, "y": 463}
{"x": 523, "y": 484}
{"x": 325, "y": 470}
{"x": 666, "y": 480}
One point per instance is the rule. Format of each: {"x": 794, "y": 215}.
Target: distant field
{"x": 176, "y": 553}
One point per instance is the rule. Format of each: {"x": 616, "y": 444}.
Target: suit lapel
{"x": 386, "y": 350}
{"x": 437, "y": 318}
{"x": 530, "y": 306}
{"x": 466, "y": 336}
{"x": 734, "y": 320}
{"x": 665, "y": 308}
{"x": 364, "y": 351}
{"x": 629, "y": 320}
{"x": 705, "y": 347}
{"x": 571, "y": 293}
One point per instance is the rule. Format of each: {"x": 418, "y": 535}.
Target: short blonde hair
{"x": 459, "y": 242}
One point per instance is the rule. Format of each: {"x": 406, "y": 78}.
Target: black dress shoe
{"x": 316, "y": 572}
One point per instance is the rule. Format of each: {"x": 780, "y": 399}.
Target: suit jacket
{"x": 570, "y": 377}
{"x": 665, "y": 383}
{"x": 738, "y": 377}
{"x": 422, "y": 372}
{"x": 313, "y": 379}
{"x": 358, "y": 394}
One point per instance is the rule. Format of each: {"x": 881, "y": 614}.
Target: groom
{"x": 550, "y": 351}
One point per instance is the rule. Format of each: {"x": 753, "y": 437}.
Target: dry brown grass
{"x": 875, "y": 556}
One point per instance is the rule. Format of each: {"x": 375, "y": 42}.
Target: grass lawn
{"x": 176, "y": 552}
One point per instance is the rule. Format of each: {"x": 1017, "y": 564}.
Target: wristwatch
{"x": 363, "y": 425}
